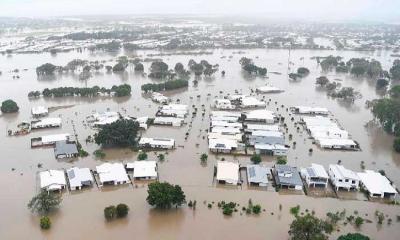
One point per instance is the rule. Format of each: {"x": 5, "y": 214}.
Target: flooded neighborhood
{"x": 257, "y": 124}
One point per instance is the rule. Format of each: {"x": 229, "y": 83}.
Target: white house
{"x": 287, "y": 177}
{"x": 249, "y": 128}
{"x": 260, "y": 115}
{"x": 157, "y": 143}
{"x": 79, "y": 177}
{"x": 252, "y": 102}
{"x": 329, "y": 143}
{"x": 112, "y": 173}
{"x": 226, "y": 130}
{"x": 222, "y": 145}
{"x": 315, "y": 175}
{"x": 39, "y": 111}
{"x": 271, "y": 149}
{"x": 310, "y": 110}
{"x": 224, "y": 118}
{"x": 172, "y": 121}
{"x": 159, "y": 98}
{"x": 223, "y": 104}
{"x": 258, "y": 175}
{"x": 173, "y": 110}
{"x": 268, "y": 89}
{"x": 52, "y": 180}
{"x": 377, "y": 185}
{"x": 46, "y": 123}
{"x": 49, "y": 139}
{"x": 237, "y": 137}
{"x": 343, "y": 178}
{"x": 226, "y": 124}
{"x": 225, "y": 114}
{"x": 266, "y": 137}
{"x": 143, "y": 169}
{"x": 104, "y": 118}
{"x": 228, "y": 172}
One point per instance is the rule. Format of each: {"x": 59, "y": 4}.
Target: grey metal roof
{"x": 257, "y": 174}
{"x": 63, "y": 147}
{"x": 292, "y": 180}
{"x": 311, "y": 172}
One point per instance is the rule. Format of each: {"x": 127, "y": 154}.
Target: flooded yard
{"x": 81, "y": 212}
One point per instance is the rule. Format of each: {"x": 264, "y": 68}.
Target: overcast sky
{"x": 368, "y": 10}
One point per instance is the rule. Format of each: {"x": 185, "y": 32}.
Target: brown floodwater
{"x": 81, "y": 213}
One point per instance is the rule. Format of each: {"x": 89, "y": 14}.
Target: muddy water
{"x": 80, "y": 216}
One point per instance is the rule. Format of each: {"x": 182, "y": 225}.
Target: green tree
{"x": 308, "y": 227}
{"x": 45, "y": 223}
{"x": 165, "y": 195}
{"x": 256, "y": 209}
{"x": 281, "y": 160}
{"x": 44, "y": 202}
{"x": 359, "y": 221}
{"x": 353, "y": 236}
{"x": 158, "y": 69}
{"x": 396, "y": 144}
{"x": 9, "y": 106}
{"x": 142, "y": 156}
{"x": 203, "y": 157}
{"x": 255, "y": 158}
{"x": 110, "y": 212}
{"x": 121, "y": 133}
{"x": 122, "y": 210}
{"x": 322, "y": 81}
{"x": 302, "y": 71}
{"x": 139, "y": 67}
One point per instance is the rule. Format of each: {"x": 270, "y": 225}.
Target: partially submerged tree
{"x": 309, "y": 227}
{"x": 44, "y": 202}
{"x": 353, "y": 236}
{"x": 121, "y": 133}
{"x": 9, "y": 106}
{"x": 165, "y": 195}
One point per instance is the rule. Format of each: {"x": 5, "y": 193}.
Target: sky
{"x": 329, "y": 10}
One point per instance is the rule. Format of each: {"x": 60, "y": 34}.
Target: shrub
{"x": 256, "y": 158}
{"x": 203, "y": 158}
{"x": 295, "y": 210}
{"x": 9, "y": 106}
{"x": 256, "y": 209}
{"x": 142, "y": 156}
{"x": 281, "y": 160}
{"x": 110, "y": 212}
{"x": 45, "y": 222}
{"x": 99, "y": 154}
{"x": 122, "y": 210}
{"x": 359, "y": 221}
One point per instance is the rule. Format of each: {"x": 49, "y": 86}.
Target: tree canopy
{"x": 165, "y": 86}
{"x": 309, "y": 227}
{"x": 158, "y": 69}
{"x": 9, "y": 106}
{"x": 249, "y": 67}
{"x": 46, "y": 69}
{"x": 121, "y": 133}
{"x": 165, "y": 195}
{"x": 353, "y": 236}
{"x": 44, "y": 202}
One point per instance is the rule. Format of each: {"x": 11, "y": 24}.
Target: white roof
{"x": 222, "y": 101}
{"x": 270, "y": 146}
{"x": 168, "y": 120}
{"x": 332, "y": 133}
{"x": 261, "y": 114}
{"x": 253, "y": 127}
{"x": 257, "y": 173}
{"x": 305, "y": 109}
{"x": 317, "y": 170}
{"x": 157, "y": 141}
{"x": 268, "y": 89}
{"x": 225, "y": 130}
{"x": 336, "y": 142}
{"x": 319, "y": 121}
{"x": 222, "y": 143}
{"x": 40, "y": 110}
{"x": 104, "y": 118}
{"x": 223, "y": 118}
{"x": 142, "y": 119}
{"x": 112, "y": 172}
{"x": 143, "y": 168}
{"x": 226, "y": 124}
{"x": 78, "y": 175}
{"x": 228, "y": 171}
{"x": 225, "y": 114}
{"x": 236, "y": 96}
{"x": 376, "y": 182}
{"x": 267, "y": 134}
{"x": 252, "y": 101}
{"x": 55, "y": 138}
{"x": 342, "y": 172}
{"x": 236, "y": 137}
{"x": 47, "y": 121}
{"x": 181, "y": 107}
{"x": 52, "y": 179}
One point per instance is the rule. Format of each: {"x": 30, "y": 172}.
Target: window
{"x": 340, "y": 180}
{"x": 353, "y": 182}
{"x": 347, "y": 180}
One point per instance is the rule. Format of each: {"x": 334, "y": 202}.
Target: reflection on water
{"x": 81, "y": 214}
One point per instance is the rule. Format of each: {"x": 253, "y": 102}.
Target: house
{"x": 226, "y": 130}
{"x": 257, "y": 175}
{"x": 173, "y": 110}
{"x": 49, "y": 140}
{"x": 222, "y": 145}
{"x": 343, "y": 178}
{"x": 287, "y": 177}
{"x": 226, "y": 124}
{"x": 228, "y": 172}
{"x": 65, "y": 149}
{"x": 315, "y": 175}
{"x": 268, "y": 89}
{"x": 172, "y": 121}
{"x": 260, "y": 115}
{"x": 237, "y": 137}
{"x": 79, "y": 177}
{"x": 142, "y": 122}
{"x": 157, "y": 143}
{"x": 251, "y": 102}
{"x": 223, "y": 104}
{"x": 377, "y": 185}
{"x": 266, "y": 137}
{"x": 310, "y": 110}
{"x": 159, "y": 98}
{"x": 271, "y": 149}
{"x": 104, "y": 118}
{"x": 46, "y": 123}
{"x": 52, "y": 180}
{"x": 249, "y": 128}
{"x": 344, "y": 144}
{"x": 225, "y": 119}
{"x": 143, "y": 169}
{"x": 225, "y": 114}
{"x": 112, "y": 173}
{"x": 39, "y": 111}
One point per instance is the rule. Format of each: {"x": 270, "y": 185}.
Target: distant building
{"x": 310, "y": 110}
{"x": 268, "y": 89}
{"x": 266, "y": 137}
{"x": 143, "y": 169}
{"x": 65, "y": 149}
{"x": 271, "y": 149}
{"x": 223, "y": 104}
{"x": 172, "y": 121}
{"x": 52, "y": 180}
{"x": 261, "y": 115}
{"x": 222, "y": 145}
{"x": 343, "y": 178}
{"x": 49, "y": 140}
{"x": 287, "y": 177}
{"x": 46, "y": 123}
{"x": 112, "y": 173}
{"x": 157, "y": 143}
{"x": 79, "y": 177}
{"x": 315, "y": 175}
{"x": 39, "y": 111}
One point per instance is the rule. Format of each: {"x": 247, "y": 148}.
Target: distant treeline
{"x": 117, "y": 91}
{"x": 168, "y": 85}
